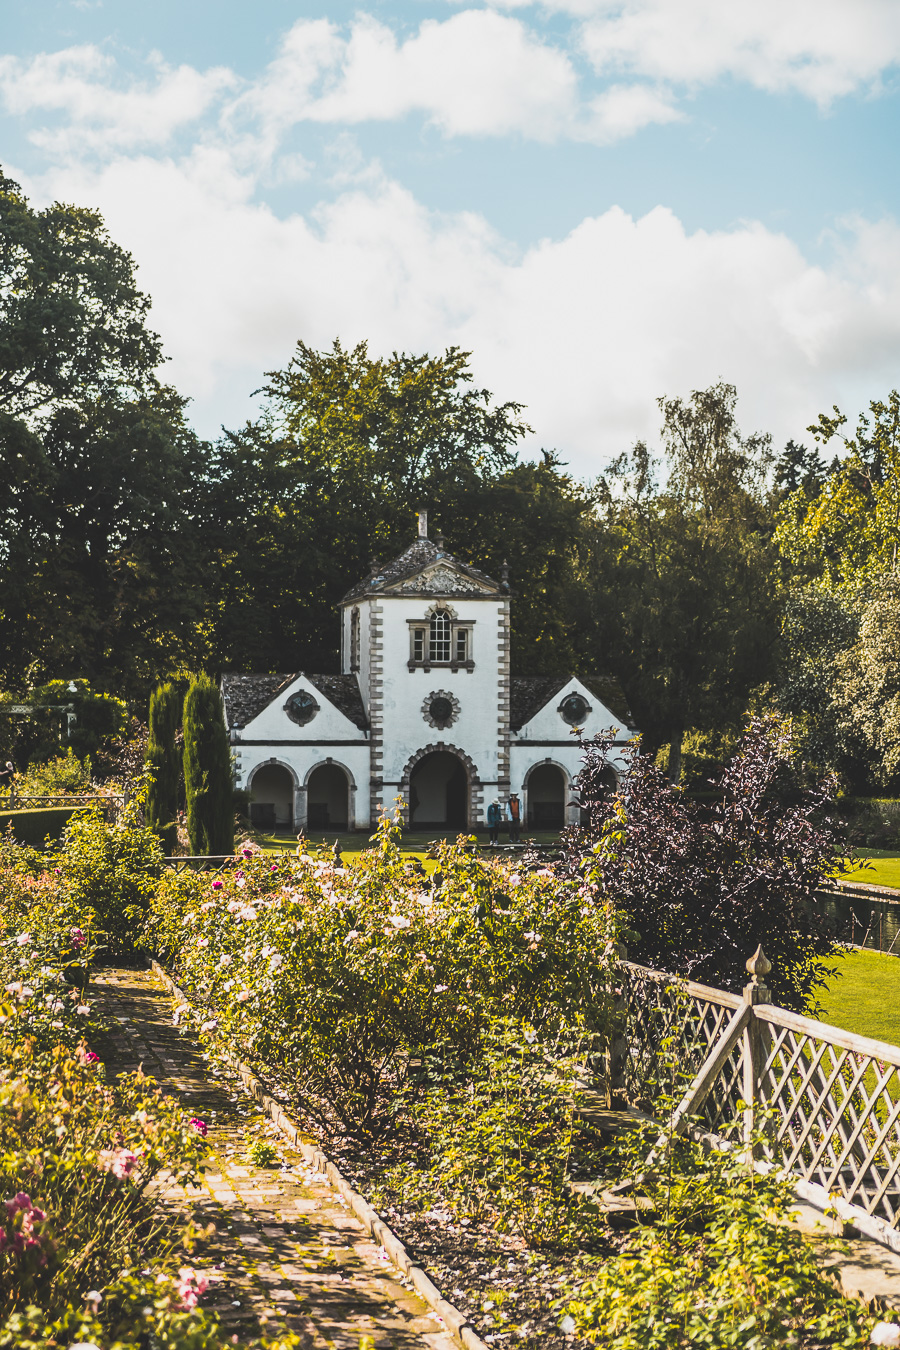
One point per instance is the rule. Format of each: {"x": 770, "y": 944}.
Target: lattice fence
{"x": 834, "y": 1098}
{"x": 14, "y": 801}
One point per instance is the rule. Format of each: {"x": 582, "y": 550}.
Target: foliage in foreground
{"x": 498, "y": 1139}
{"x": 704, "y": 883}
{"x": 87, "y": 1254}
{"x": 341, "y": 979}
{"x": 714, "y": 1263}
{"x": 110, "y": 871}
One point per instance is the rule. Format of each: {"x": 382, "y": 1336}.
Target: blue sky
{"x": 606, "y": 200}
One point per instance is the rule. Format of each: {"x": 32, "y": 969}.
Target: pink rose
{"x": 190, "y": 1287}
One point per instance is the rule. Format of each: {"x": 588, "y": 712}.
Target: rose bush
{"x": 339, "y": 980}
{"x": 47, "y": 944}
{"x": 87, "y": 1253}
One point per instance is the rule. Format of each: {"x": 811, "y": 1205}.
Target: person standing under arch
{"x": 494, "y": 816}
{"x": 513, "y": 817}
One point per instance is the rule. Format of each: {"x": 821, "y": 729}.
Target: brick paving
{"x": 287, "y": 1254}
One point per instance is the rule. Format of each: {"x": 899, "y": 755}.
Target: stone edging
{"x": 454, "y": 1321}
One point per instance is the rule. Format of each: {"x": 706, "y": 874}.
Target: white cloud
{"x": 820, "y": 48}
{"x": 587, "y": 330}
{"x": 78, "y": 82}
{"x": 477, "y": 73}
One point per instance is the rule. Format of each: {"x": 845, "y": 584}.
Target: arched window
{"x": 439, "y": 636}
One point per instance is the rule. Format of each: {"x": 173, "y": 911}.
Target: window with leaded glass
{"x": 439, "y": 636}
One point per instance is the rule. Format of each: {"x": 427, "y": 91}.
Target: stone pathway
{"x": 287, "y": 1255}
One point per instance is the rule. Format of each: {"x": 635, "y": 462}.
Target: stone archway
{"x": 272, "y": 787}
{"x": 330, "y": 797}
{"x": 441, "y": 789}
{"x": 547, "y": 788}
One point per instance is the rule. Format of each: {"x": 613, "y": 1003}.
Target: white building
{"x": 425, "y": 711}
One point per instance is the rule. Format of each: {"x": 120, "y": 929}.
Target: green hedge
{"x": 32, "y": 827}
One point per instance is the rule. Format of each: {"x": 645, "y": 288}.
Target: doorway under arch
{"x": 547, "y": 785}
{"x": 327, "y": 798}
{"x": 272, "y": 798}
{"x": 439, "y": 793}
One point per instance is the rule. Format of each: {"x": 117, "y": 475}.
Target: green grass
{"x": 412, "y": 843}
{"x": 883, "y": 868}
{"x": 863, "y": 995}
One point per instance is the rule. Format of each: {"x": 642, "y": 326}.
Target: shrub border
{"x": 454, "y": 1321}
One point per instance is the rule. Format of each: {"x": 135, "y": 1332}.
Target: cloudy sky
{"x": 604, "y": 200}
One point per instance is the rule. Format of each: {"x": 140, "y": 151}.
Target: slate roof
{"x": 245, "y": 696}
{"x": 420, "y": 553}
{"x": 343, "y": 692}
{"x": 529, "y": 693}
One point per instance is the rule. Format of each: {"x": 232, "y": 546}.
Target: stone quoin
{"x": 425, "y": 712}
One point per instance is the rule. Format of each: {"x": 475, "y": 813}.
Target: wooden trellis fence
{"x": 834, "y": 1097}
{"x": 14, "y": 801}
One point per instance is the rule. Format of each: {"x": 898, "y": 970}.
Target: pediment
{"x": 440, "y": 579}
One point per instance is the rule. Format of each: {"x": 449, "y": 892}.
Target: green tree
{"x": 850, "y": 530}
{"x": 818, "y": 629}
{"x": 163, "y": 764}
{"x": 71, "y": 319}
{"x": 207, "y": 770}
{"x": 684, "y": 601}
{"x": 104, "y": 569}
{"x": 101, "y": 480}
{"x": 866, "y": 683}
{"x": 350, "y": 446}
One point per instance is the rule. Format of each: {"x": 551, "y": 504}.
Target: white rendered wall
{"x": 272, "y": 738}
{"x": 404, "y": 729}
{"x": 547, "y": 739}
{"x": 300, "y": 761}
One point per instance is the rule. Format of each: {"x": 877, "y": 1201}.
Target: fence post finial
{"x": 758, "y": 968}
{"x": 759, "y": 964}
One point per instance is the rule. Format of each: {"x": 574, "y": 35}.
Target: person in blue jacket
{"x": 494, "y": 816}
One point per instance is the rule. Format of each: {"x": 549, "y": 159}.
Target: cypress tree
{"x": 207, "y": 770}
{"x": 162, "y": 761}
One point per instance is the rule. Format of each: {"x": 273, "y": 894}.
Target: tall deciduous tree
{"x": 71, "y": 318}
{"x": 163, "y": 762}
{"x": 350, "y": 447}
{"x": 99, "y": 475}
{"x": 684, "y": 585}
{"x": 207, "y": 770}
{"x": 850, "y": 530}
{"x": 103, "y": 573}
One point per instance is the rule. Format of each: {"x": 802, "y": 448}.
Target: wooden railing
{"x": 832, "y": 1099}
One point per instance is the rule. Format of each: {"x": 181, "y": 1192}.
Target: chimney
{"x": 504, "y": 575}
{"x": 423, "y": 524}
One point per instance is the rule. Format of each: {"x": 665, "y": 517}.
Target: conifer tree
{"x": 207, "y": 770}
{"x": 162, "y": 761}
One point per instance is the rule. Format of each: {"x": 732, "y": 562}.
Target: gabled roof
{"x": 455, "y": 578}
{"x": 529, "y": 693}
{"x": 245, "y": 696}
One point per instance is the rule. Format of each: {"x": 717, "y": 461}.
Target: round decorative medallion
{"x": 301, "y": 708}
{"x": 574, "y": 710}
{"x": 440, "y": 709}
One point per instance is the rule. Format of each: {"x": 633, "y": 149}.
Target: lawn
{"x": 864, "y": 996}
{"x": 883, "y": 868}
{"x": 412, "y": 843}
